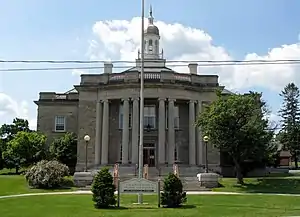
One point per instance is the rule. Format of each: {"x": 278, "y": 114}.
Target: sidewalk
{"x": 189, "y": 193}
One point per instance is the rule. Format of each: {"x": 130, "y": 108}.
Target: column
{"x": 192, "y": 136}
{"x": 200, "y": 138}
{"x": 125, "y": 131}
{"x": 161, "y": 131}
{"x": 98, "y": 133}
{"x": 135, "y": 131}
{"x": 171, "y": 131}
{"x": 105, "y": 133}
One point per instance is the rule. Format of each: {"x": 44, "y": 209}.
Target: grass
{"x": 275, "y": 183}
{"x": 11, "y": 183}
{"x": 198, "y": 205}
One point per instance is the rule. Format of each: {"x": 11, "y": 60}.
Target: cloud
{"x": 120, "y": 40}
{"x": 10, "y": 108}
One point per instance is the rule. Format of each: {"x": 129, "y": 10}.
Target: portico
{"x": 160, "y": 123}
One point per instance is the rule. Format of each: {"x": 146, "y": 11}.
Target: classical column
{"x": 135, "y": 131}
{"x": 192, "y": 136}
{"x": 199, "y": 137}
{"x": 161, "y": 131}
{"x": 105, "y": 133}
{"x": 125, "y": 131}
{"x": 171, "y": 131}
{"x": 98, "y": 133}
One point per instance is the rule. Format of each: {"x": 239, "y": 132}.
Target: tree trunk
{"x": 296, "y": 161}
{"x": 239, "y": 174}
{"x": 17, "y": 170}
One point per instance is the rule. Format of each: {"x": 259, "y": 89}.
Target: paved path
{"x": 189, "y": 192}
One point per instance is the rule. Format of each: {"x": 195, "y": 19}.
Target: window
{"x": 176, "y": 117}
{"x": 156, "y": 46}
{"x": 149, "y": 117}
{"x": 120, "y": 157}
{"x": 150, "y": 46}
{"x": 175, "y": 154}
{"x": 121, "y": 116}
{"x": 60, "y": 123}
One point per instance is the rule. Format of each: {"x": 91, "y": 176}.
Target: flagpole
{"x": 141, "y": 139}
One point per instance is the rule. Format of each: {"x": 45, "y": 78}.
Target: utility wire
{"x": 125, "y": 61}
{"x": 172, "y": 65}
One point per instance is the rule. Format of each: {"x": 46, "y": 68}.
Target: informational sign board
{"x": 135, "y": 185}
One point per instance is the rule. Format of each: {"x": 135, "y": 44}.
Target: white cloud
{"x": 9, "y": 109}
{"x": 120, "y": 40}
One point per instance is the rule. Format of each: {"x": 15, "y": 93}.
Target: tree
{"x": 64, "y": 149}
{"x": 24, "y": 149}
{"x": 290, "y": 114}
{"x": 237, "y": 125}
{"x": 103, "y": 189}
{"x": 7, "y": 133}
{"x": 173, "y": 195}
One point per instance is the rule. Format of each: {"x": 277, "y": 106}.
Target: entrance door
{"x": 149, "y": 156}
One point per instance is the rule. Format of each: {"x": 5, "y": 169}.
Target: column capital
{"x": 161, "y": 99}
{"x": 125, "y": 99}
{"x": 171, "y": 99}
{"x": 135, "y": 98}
{"x": 105, "y": 100}
{"x": 192, "y": 101}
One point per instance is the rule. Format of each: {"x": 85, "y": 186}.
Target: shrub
{"x": 103, "y": 189}
{"x": 172, "y": 195}
{"x": 47, "y": 174}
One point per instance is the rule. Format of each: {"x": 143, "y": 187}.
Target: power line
{"x": 127, "y": 61}
{"x": 172, "y": 65}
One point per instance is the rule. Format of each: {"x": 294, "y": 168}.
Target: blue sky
{"x": 62, "y": 30}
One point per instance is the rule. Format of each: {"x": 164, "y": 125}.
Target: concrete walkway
{"x": 189, "y": 193}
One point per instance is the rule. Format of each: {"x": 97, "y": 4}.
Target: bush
{"x": 103, "y": 189}
{"x": 47, "y": 174}
{"x": 172, "y": 195}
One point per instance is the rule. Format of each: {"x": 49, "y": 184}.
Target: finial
{"x": 150, "y": 10}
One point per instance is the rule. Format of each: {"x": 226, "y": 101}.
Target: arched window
{"x": 156, "y": 46}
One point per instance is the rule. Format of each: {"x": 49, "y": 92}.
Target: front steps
{"x": 187, "y": 174}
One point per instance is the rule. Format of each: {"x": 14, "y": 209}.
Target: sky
{"x": 110, "y": 30}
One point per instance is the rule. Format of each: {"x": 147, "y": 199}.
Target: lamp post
{"x": 86, "y": 139}
{"x": 205, "y": 139}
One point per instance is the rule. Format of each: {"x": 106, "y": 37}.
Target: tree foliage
{"x": 8, "y": 132}
{"x": 290, "y": 114}
{"x": 236, "y": 124}
{"x": 24, "y": 149}
{"x": 103, "y": 189}
{"x": 64, "y": 149}
{"x": 173, "y": 194}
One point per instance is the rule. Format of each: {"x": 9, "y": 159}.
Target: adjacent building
{"x": 106, "y": 107}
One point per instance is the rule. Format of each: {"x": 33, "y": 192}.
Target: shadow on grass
{"x": 273, "y": 185}
{"x": 113, "y": 208}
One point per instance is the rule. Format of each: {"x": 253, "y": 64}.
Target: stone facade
{"x": 106, "y": 107}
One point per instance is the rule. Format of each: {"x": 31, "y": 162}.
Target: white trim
{"x": 64, "y": 124}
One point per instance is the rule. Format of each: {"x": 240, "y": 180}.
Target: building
{"x": 106, "y": 107}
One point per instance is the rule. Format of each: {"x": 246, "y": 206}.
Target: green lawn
{"x": 16, "y": 184}
{"x": 283, "y": 185}
{"x": 198, "y": 205}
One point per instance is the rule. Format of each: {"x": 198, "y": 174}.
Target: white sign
{"x": 136, "y": 185}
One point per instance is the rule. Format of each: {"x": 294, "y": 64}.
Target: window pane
{"x": 59, "y": 123}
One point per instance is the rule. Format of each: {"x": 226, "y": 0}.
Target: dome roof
{"x": 152, "y": 29}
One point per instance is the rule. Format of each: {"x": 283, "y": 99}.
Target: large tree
{"x": 8, "y": 132}
{"x": 25, "y": 149}
{"x": 290, "y": 114}
{"x": 64, "y": 149}
{"x": 236, "y": 124}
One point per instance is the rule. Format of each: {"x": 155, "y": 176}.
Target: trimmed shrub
{"x": 103, "y": 190}
{"x": 173, "y": 195}
{"x": 47, "y": 174}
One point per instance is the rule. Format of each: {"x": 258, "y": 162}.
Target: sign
{"x": 136, "y": 185}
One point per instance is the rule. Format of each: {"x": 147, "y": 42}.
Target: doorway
{"x": 149, "y": 155}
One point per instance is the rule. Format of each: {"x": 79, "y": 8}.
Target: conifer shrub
{"x": 173, "y": 195}
{"x": 103, "y": 190}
